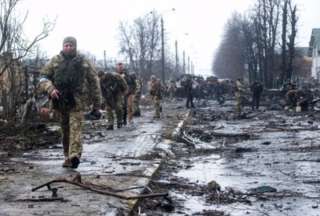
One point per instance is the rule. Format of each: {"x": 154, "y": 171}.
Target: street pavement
{"x": 116, "y": 159}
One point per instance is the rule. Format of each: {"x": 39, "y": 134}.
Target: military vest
{"x": 131, "y": 82}
{"x": 68, "y": 79}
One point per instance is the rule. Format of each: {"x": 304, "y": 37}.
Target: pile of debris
{"x": 15, "y": 138}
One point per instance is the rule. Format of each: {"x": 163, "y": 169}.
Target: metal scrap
{"x": 95, "y": 188}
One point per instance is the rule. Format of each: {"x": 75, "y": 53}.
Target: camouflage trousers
{"x": 136, "y": 104}
{"x": 71, "y": 125}
{"x": 118, "y": 110}
{"x": 239, "y": 103}
{"x": 157, "y": 106}
{"x": 130, "y": 107}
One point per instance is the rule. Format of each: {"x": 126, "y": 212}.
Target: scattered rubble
{"x": 213, "y": 163}
{"x": 17, "y": 138}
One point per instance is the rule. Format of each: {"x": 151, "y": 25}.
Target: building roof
{"x": 315, "y": 37}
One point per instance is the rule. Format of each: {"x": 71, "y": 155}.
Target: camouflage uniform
{"x": 239, "y": 94}
{"x": 137, "y": 97}
{"x": 155, "y": 92}
{"x": 172, "y": 89}
{"x": 75, "y": 74}
{"x": 128, "y": 99}
{"x": 292, "y": 98}
{"x": 305, "y": 100}
{"x": 189, "y": 91}
{"x": 113, "y": 88}
{"x": 256, "y": 89}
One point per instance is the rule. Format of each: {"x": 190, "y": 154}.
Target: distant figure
{"x": 256, "y": 89}
{"x": 305, "y": 100}
{"x": 292, "y": 99}
{"x": 188, "y": 88}
{"x": 137, "y": 98}
{"x": 239, "y": 91}
{"x": 113, "y": 88}
{"x": 156, "y": 94}
{"x": 66, "y": 79}
{"x": 128, "y": 99}
{"x": 172, "y": 89}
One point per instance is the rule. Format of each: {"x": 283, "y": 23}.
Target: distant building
{"x": 314, "y": 47}
{"x": 302, "y": 63}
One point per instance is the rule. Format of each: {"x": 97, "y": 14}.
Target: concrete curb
{"x": 175, "y": 134}
{"x": 178, "y": 130}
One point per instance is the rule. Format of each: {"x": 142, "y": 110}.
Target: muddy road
{"x": 266, "y": 163}
{"x": 209, "y": 161}
{"x": 120, "y": 161}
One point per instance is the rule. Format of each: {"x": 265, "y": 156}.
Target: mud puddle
{"x": 264, "y": 164}
{"x": 114, "y": 159}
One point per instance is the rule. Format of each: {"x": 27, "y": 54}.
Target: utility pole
{"x": 177, "y": 58}
{"x": 162, "y": 52}
{"x": 184, "y": 62}
{"x": 105, "y": 60}
{"x": 189, "y": 65}
{"x": 192, "y": 68}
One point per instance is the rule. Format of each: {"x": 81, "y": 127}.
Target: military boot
{"x": 137, "y": 113}
{"x": 75, "y": 161}
{"x": 110, "y": 127}
{"x": 66, "y": 163}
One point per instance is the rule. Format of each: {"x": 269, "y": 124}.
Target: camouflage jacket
{"x": 240, "y": 88}
{"x": 87, "y": 90}
{"x": 155, "y": 88}
{"x": 131, "y": 82}
{"x": 112, "y": 85}
{"x": 138, "y": 86}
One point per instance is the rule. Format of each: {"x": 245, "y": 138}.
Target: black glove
{"x": 95, "y": 114}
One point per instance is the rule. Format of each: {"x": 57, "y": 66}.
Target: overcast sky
{"x": 196, "y": 24}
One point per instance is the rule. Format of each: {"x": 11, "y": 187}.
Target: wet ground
{"x": 209, "y": 161}
{"x": 121, "y": 160}
{"x": 16, "y": 138}
{"x": 265, "y": 163}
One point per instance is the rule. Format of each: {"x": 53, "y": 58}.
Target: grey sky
{"x": 196, "y": 24}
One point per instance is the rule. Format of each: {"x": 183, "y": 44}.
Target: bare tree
{"x": 140, "y": 43}
{"x": 250, "y": 49}
{"x": 229, "y": 59}
{"x": 127, "y": 43}
{"x": 291, "y": 40}
{"x": 258, "y": 43}
{"x": 284, "y": 55}
{"x": 12, "y": 39}
{"x": 13, "y": 47}
{"x": 289, "y": 32}
{"x": 266, "y": 15}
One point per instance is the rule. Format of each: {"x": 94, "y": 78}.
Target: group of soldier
{"x": 196, "y": 87}
{"x": 190, "y": 87}
{"x": 71, "y": 81}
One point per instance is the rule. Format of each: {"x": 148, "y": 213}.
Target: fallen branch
{"x": 244, "y": 135}
{"x": 306, "y": 160}
{"x": 267, "y": 195}
{"x": 45, "y": 199}
{"x": 290, "y": 129}
{"x": 311, "y": 182}
{"x": 91, "y": 187}
{"x": 187, "y": 139}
